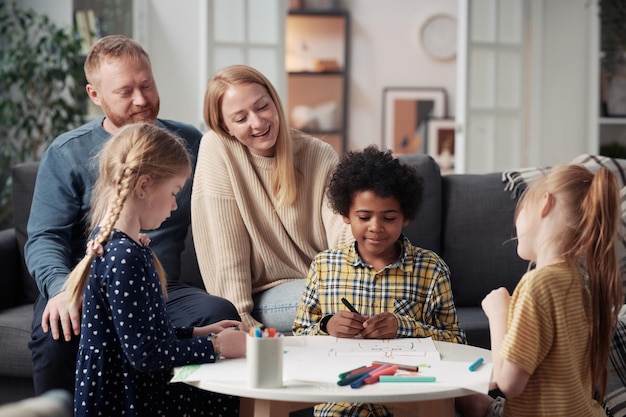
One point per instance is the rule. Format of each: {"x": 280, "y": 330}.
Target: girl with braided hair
{"x": 128, "y": 346}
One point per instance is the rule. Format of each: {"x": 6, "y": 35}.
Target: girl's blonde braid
{"x": 77, "y": 280}
{"x": 122, "y": 188}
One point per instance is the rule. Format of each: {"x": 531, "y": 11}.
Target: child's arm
{"x": 510, "y": 378}
{"x": 150, "y": 343}
{"x": 317, "y": 314}
{"x": 346, "y": 324}
{"x": 230, "y": 343}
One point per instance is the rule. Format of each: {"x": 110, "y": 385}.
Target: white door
{"x": 189, "y": 40}
{"x": 492, "y": 78}
{"x": 249, "y": 32}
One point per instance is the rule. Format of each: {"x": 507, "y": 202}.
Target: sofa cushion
{"x": 475, "y": 324}
{"x": 23, "y": 177}
{"x": 11, "y": 294}
{"x": 478, "y": 232}
{"x": 15, "y": 326}
{"x": 615, "y": 402}
{"x": 425, "y": 230}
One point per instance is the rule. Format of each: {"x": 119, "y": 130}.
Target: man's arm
{"x": 56, "y": 235}
{"x": 56, "y": 226}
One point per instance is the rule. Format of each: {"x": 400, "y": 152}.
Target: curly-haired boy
{"x": 395, "y": 288}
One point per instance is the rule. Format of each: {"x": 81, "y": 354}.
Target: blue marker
{"x": 476, "y": 364}
{"x": 359, "y": 382}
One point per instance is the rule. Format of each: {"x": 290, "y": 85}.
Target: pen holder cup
{"x": 264, "y": 357}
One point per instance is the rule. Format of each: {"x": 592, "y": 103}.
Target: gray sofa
{"x": 467, "y": 219}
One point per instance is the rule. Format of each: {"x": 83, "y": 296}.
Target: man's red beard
{"x": 132, "y": 116}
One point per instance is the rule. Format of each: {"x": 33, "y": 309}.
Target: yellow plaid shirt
{"x": 416, "y": 289}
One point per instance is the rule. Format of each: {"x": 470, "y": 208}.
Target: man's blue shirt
{"x": 58, "y": 224}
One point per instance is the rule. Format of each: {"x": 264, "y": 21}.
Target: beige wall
{"x": 385, "y": 52}
{"x": 565, "y": 85}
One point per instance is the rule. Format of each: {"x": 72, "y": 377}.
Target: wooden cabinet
{"x": 612, "y": 75}
{"x": 317, "y": 63}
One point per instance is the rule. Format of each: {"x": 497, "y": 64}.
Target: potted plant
{"x": 613, "y": 35}
{"x": 41, "y": 89}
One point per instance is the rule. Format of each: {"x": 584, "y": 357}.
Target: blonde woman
{"x": 259, "y": 213}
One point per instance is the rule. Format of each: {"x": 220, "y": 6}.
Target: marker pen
{"x": 350, "y": 306}
{"x": 474, "y": 366}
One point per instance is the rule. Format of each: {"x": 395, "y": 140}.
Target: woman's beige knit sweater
{"x": 244, "y": 241}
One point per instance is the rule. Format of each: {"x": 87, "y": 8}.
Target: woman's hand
{"x": 217, "y": 328}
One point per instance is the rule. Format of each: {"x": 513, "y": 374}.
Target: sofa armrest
{"x": 10, "y": 259}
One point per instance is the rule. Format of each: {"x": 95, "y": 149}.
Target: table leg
{"x": 250, "y": 407}
{"x": 432, "y": 408}
{"x": 246, "y": 407}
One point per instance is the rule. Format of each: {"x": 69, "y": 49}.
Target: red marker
{"x": 375, "y": 375}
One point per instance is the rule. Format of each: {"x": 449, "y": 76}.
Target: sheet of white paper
{"x": 331, "y": 355}
{"x": 322, "y": 358}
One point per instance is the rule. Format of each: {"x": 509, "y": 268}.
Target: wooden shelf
{"x": 315, "y": 73}
{"x": 612, "y": 120}
{"x": 317, "y": 100}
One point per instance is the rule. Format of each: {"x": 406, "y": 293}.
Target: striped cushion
{"x": 615, "y": 402}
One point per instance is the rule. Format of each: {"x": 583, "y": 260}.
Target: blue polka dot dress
{"x": 128, "y": 346}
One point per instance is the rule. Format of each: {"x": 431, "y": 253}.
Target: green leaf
{"x": 41, "y": 80}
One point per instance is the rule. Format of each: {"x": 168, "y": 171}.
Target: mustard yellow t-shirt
{"x": 549, "y": 336}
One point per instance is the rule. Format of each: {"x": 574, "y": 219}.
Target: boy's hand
{"x": 345, "y": 324}
{"x": 381, "y": 326}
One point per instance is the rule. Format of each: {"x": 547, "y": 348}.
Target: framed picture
{"x": 613, "y": 93}
{"x": 441, "y": 146}
{"x": 406, "y": 112}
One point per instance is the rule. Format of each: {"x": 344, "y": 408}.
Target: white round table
{"x": 408, "y": 399}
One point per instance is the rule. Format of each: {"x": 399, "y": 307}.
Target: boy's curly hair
{"x": 378, "y": 171}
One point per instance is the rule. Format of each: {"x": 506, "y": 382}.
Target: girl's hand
{"x": 232, "y": 343}
{"x": 496, "y": 303}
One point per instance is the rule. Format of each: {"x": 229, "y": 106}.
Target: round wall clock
{"x": 438, "y": 36}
